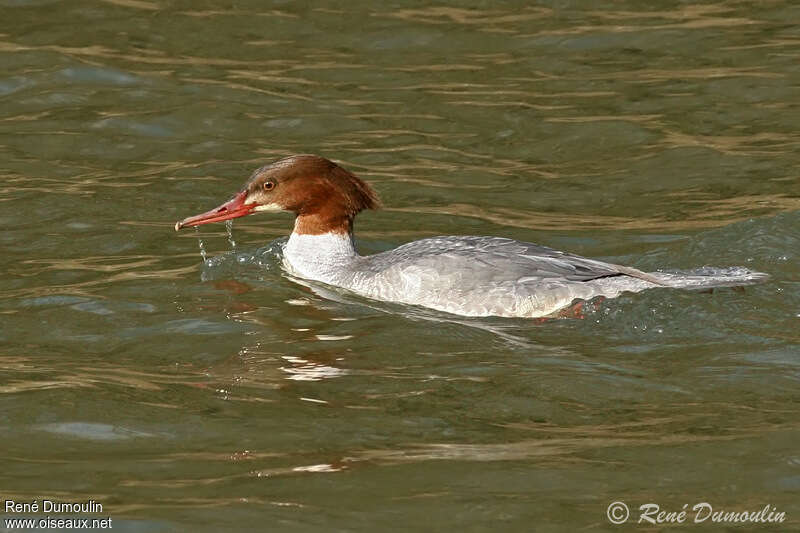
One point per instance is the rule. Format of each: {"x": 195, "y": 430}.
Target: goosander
{"x": 468, "y": 276}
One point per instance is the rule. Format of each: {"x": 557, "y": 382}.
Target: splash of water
{"x": 203, "y": 253}
{"x": 229, "y": 227}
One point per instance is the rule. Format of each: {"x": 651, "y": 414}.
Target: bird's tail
{"x": 707, "y": 277}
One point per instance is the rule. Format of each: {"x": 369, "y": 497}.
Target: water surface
{"x": 221, "y": 395}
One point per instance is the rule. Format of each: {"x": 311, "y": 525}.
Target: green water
{"x": 222, "y": 396}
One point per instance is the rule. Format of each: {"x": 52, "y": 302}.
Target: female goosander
{"x": 470, "y": 276}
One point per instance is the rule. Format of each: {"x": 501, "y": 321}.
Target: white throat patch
{"x": 319, "y": 257}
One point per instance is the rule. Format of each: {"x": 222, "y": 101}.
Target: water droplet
{"x": 229, "y": 227}
{"x": 203, "y": 253}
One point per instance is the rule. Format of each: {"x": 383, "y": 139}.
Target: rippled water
{"x": 221, "y": 395}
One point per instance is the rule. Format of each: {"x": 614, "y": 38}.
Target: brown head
{"x": 324, "y": 196}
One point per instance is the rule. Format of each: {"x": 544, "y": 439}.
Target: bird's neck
{"x": 322, "y": 256}
{"x": 323, "y": 220}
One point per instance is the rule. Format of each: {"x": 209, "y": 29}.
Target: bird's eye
{"x": 268, "y": 185}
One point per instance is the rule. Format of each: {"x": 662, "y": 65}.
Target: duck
{"x": 474, "y": 276}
